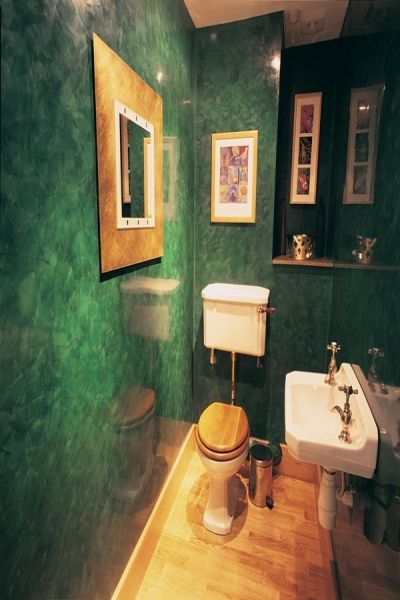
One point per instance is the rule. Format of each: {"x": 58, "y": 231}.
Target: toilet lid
{"x": 221, "y": 456}
{"x": 135, "y": 404}
{"x": 223, "y": 427}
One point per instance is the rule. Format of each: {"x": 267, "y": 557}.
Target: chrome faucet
{"x": 332, "y": 368}
{"x": 372, "y": 373}
{"x": 345, "y": 413}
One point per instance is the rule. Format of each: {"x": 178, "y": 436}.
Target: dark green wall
{"x": 306, "y": 69}
{"x": 237, "y": 89}
{"x": 366, "y": 61}
{"x": 65, "y": 353}
{"x": 365, "y": 307}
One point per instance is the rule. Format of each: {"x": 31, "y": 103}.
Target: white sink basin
{"x": 312, "y": 429}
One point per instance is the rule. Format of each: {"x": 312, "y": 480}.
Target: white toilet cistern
{"x": 235, "y": 322}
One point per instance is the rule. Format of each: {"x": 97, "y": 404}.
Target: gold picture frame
{"x": 234, "y": 177}
{"x": 306, "y": 127}
{"x": 116, "y": 86}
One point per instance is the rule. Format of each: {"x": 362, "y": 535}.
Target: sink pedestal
{"x": 327, "y": 503}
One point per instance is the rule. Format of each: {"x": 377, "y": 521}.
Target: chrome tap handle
{"x": 332, "y": 368}
{"x": 348, "y": 390}
{"x": 372, "y": 373}
{"x": 376, "y": 352}
{"x": 266, "y": 309}
{"x": 334, "y": 346}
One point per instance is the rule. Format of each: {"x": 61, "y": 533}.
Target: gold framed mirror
{"x": 129, "y": 162}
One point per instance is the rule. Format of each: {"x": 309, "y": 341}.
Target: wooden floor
{"x": 277, "y": 554}
{"x": 119, "y": 530}
{"x": 366, "y": 571}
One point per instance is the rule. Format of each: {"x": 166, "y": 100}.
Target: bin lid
{"x": 133, "y": 406}
{"x": 231, "y": 292}
{"x": 261, "y": 455}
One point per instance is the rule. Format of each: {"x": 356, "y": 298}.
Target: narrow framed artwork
{"x": 234, "y": 177}
{"x": 306, "y": 126}
{"x": 365, "y": 106}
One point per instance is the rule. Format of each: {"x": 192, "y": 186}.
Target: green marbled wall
{"x": 66, "y": 353}
{"x": 237, "y": 89}
{"x": 68, "y": 349}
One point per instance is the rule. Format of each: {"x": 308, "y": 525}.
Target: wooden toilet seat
{"x": 222, "y": 432}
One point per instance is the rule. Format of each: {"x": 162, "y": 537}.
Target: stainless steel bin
{"x": 260, "y": 483}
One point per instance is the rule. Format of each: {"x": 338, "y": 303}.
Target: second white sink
{"x": 312, "y": 429}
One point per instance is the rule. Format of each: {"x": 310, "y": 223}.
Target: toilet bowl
{"x": 133, "y": 416}
{"x": 222, "y": 438}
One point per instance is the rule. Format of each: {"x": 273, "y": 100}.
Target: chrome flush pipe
{"x": 213, "y": 357}
{"x": 233, "y": 382}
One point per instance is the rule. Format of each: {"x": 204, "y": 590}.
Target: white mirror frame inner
{"x": 148, "y": 220}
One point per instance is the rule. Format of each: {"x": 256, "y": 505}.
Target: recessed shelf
{"x": 329, "y": 263}
{"x": 340, "y": 264}
{"x": 309, "y": 262}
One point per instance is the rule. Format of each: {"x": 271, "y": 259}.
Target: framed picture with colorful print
{"x": 234, "y": 177}
{"x": 365, "y": 104}
{"x": 306, "y": 125}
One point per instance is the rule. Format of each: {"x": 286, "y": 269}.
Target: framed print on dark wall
{"x": 306, "y": 126}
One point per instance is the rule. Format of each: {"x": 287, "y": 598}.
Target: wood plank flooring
{"x": 118, "y": 532}
{"x": 273, "y": 555}
{"x": 366, "y": 571}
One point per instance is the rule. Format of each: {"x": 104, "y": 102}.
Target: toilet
{"x": 234, "y": 321}
{"x": 222, "y": 437}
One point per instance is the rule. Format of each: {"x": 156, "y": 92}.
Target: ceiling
{"x": 305, "y": 21}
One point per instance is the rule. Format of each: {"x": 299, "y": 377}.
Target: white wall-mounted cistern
{"x": 235, "y": 318}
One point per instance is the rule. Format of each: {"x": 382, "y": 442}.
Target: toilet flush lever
{"x": 266, "y": 309}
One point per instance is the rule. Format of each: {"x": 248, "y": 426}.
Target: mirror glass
{"x": 366, "y": 216}
{"x": 134, "y": 169}
{"x": 356, "y": 220}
